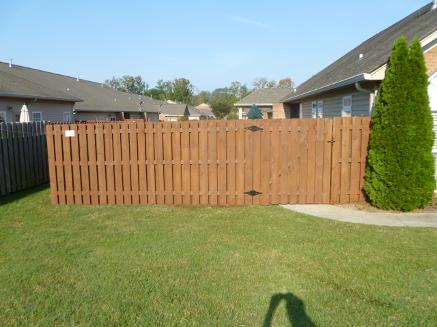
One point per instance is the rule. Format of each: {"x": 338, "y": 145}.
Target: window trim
{"x": 33, "y": 116}
{"x": 6, "y": 115}
{"x": 314, "y": 109}
{"x": 69, "y": 117}
{"x": 320, "y": 109}
{"x": 346, "y": 111}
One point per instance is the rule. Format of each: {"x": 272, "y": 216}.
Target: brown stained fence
{"x": 209, "y": 162}
{"x": 23, "y": 156}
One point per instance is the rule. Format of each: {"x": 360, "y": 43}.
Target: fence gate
{"x": 209, "y": 162}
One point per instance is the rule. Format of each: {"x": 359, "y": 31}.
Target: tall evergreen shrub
{"x": 400, "y": 172}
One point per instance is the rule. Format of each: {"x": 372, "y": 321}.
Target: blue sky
{"x": 210, "y": 42}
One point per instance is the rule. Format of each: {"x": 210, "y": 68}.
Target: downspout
{"x": 371, "y": 93}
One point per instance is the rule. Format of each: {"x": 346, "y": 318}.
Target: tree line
{"x": 181, "y": 90}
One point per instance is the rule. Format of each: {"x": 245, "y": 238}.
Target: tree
{"x": 201, "y": 97}
{"x": 262, "y": 83}
{"x": 255, "y": 113}
{"x": 182, "y": 90}
{"x": 400, "y": 172}
{"x": 127, "y": 83}
{"x": 286, "y": 82}
{"x": 221, "y": 107}
{"x": 239, "y": 90}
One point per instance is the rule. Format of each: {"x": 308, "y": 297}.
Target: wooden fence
{"x": 23, "y": 156}
{"x": 209, "y": 162}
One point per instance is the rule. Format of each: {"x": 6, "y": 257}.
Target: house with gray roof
{"x": 270, "y": 101}
{"x": 348, "y": 86}
{"x": 54, "y": 97}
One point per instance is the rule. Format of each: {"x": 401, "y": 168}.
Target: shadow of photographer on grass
{"x": 295, "y": 310}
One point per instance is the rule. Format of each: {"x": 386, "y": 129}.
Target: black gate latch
{"x": 254, "y": 128}
{"x": 253, "y": 193}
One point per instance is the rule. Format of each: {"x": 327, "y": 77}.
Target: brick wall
{"x": 280, "y": 111}
{"x": 431, "y": 60}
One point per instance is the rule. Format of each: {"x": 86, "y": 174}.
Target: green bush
{"x": 400, "y": 172}
{"x": 255, "y": 113}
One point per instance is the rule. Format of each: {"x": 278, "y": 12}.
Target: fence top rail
{"x": 204, "y": 122}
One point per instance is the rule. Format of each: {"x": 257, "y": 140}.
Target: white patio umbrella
{"x": 24, "y": 114}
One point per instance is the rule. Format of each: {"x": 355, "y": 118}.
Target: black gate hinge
{"x": 254, "y": 128}
{"x": 253, "y": 193}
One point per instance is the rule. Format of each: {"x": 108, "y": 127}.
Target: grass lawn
{"x": 245, "y": 266}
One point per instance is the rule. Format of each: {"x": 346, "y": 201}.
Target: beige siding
{"x": 51, "y": 110}
{"x": 333, "y": 103}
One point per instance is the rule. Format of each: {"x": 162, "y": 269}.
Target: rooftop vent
{"x": 434, "y": 5}
{"x": 10, "y": 63}
{"x": 361, "y": 56}
{"x": 77, "y": 78}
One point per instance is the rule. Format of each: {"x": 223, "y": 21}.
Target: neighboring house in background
{"x": 270, "y": 101}
{"x": 198, "y": 114}
{"x": 60, "y": 98}
{"x": 177, "y": 111}
{"x": 206, "y": 110}
{"x": 173, "y": 112}
{"x": 348, "y": 86}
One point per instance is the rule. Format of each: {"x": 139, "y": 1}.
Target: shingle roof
{"x": 376, "y": 51}
{"x": 173, "y": 109}
{"x": 27, "y": 82}
{"x": 205, "y": 110}
{"x": 265, "y": 96}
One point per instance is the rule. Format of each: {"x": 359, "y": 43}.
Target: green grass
{"x": 156, "y": 265}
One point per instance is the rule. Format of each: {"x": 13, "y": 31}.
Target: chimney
{"x": 10, "y": 63}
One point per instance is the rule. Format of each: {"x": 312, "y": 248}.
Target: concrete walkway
{"x": 355, "y": 216}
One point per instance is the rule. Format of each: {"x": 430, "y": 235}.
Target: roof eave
{"x": 333, "y": 86}
{"x": 39, "y": 97}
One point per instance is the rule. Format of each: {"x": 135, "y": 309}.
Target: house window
{"x": 36, "y": 116}
{"x": 317, "y": 109}
{"x": 2, "y": 116}
{"x": 67, "y": 117}
{"x": 347, "y": 106}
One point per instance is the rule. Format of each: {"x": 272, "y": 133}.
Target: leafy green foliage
{"x": 127, "y": 83}
{"x": 400, "y": 172}
{"x": 221, "y": 106}
{"x": 254, "y": 113}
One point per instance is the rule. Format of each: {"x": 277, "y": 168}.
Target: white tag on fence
{"x": 70, "y": 133}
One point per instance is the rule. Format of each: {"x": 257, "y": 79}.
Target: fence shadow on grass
{"x": 295, "y": 310}
{"x": 5, "y": 199}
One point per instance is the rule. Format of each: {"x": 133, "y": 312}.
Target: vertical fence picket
{"x": 194, "y": 162}
{"x": 142, "y": 174}
{"x": 185, "y": 157}
{"x": 231, "y": 162}
{"x": 150, "y": 157}
{"x": 212, "y": 162}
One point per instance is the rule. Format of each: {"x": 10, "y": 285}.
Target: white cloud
{"x": 248, "y": 21}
